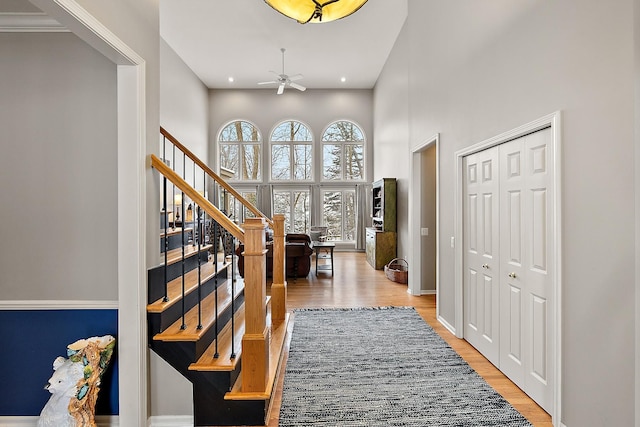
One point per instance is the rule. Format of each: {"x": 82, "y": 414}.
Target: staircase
{"x": 219, "y": 331}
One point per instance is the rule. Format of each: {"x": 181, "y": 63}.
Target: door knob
{"x": 485, "y": 265}
{"x": 512, "y": 275}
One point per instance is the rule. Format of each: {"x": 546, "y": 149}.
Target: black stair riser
{"x": 158, "y": 322}
{"x": 174, "y": 241}
{"x": 155, "y": 275}
{"x": 210, "y": 408}
{"x": 190, "y": 351}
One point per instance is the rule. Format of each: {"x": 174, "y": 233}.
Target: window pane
{"x": 239, "y": 151}
{"x": 349, "y": 216}
{"x": 240, "y": 131}
{"x": 251, "y": 165}
{"x": 332, "y": 214}
{"x": 301, "y": 214}
{"x": 291, "y": 131}
{"x": 331, "y": 161}
{"x": 302, "y": 161}
{"x": 250, "y": 196}
{"x": 282, "y": 205}
{"x": 229, "y": 157}
{"x": 354, "y": 161}
{"x": 280, "y": 162}
{"x": 343, "y": 131}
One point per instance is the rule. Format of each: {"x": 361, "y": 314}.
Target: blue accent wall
{"x": 32, "y": 339}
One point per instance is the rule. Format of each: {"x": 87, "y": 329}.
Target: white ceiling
{"x": 219, "y": 39}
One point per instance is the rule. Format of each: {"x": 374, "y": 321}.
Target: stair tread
{"x": 276, "y": 350}
{"x": 174, "y": 287}
{"x": 223, "y": 362}
{"x": 191, "y": 332}
{"x": 175, "y": 255}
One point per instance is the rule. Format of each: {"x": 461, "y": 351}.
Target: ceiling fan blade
{"x": 295, "y": 77}
{"x": 267, "y": 83}
{"x": 280, "y": 88}
{"x": 297, "y": 86}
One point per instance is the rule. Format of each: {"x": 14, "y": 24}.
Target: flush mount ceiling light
{"x": 316, "y": 11}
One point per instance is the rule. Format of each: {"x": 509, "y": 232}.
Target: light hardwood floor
{"x": 356, "y": 284}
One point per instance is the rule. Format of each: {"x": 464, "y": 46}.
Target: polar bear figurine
{"x": 63, "y": 386}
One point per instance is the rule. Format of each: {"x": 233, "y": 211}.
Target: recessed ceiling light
{"x": 230, "y": 79}
{"x": 343, "y": 79}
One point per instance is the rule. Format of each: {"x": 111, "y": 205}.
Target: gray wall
{"x": 184, "y": 110}
{"x": 478, "y": 69}
{"x": 184, "y": 102}
{"x": 391, "y": 126}
{"x": 58, "y": 169}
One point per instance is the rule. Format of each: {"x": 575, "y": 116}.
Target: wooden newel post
{"x": 279, "y": 285}
{"x": 255, "y": 342}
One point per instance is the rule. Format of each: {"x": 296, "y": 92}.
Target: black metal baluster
{"x": 173, "y": 193}
{"x": 184, "y": 325}
{"x": 233, "y": 298}
{"x": 199, "y": 270}
{"x": 165, "y": 224}
{"x": 196, "y": 230}
{"x": 216, "y": 237}
{"x": 166, "y": 240}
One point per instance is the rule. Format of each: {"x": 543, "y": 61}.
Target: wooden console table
{"x": 328, "y": 248}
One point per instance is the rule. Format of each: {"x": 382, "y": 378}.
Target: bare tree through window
{"x": 291, "y": 152}
{"x": 240, "y": 148}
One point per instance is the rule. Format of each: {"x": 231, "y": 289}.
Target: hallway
{"x": 356, "y": 284}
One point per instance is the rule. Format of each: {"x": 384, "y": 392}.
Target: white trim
{"x": 415, "y": 187}
{"x": 446, "y": 324}
{"x": 58, "y": 305}
{"x": 554, "y": 121}
{"x": 30, "y": 23}
{"x": 101, "y": 421}
{"x": 171, "y": 421}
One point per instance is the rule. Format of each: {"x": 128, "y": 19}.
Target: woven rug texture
{"x": 382, "y": 367}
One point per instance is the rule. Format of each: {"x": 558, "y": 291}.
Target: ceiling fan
{"x": 283, "y": 80}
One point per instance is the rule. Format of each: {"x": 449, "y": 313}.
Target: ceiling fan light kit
{"x": 316, "y": 11}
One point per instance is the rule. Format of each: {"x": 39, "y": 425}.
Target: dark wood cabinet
{"x": 381, "y": 239}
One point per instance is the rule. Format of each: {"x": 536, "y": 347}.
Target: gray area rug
{"x": 382, "y": 367}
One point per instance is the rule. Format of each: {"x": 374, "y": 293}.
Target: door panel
{"x": 538, "y": 235}
{"x": 481, "y": 224}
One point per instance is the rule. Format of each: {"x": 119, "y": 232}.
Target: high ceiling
{"x": 219, "y": 39}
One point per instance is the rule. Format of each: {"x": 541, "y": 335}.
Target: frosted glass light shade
{"x": 316, "y": 11}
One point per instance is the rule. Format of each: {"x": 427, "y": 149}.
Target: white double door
{"x": 507, "y": 272}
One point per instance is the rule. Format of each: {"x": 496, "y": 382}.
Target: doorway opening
{"x": 424, "y": 218}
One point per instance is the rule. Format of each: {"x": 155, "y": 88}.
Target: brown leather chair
{"x": 298, "y": 256}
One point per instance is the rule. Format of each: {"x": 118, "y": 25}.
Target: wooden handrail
{"x": 215, "y": 213}
{"x": 215, "y": 176}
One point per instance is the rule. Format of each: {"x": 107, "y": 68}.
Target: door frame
{"x": 415, "y": 213}
{"x": 131, "y": 151}
{"x": 553, "y": 121}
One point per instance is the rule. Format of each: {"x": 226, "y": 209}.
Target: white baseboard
{"x": 170, "y": 421}
{"x": 427, "y": 292}
{"x": 101, "y": 421}
{"x": 447, "y": 325}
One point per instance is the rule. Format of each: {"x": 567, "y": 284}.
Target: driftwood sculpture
{"x": 75, "y": 383}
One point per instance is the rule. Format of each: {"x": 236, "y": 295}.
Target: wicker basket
{"x": 397, "y": 270}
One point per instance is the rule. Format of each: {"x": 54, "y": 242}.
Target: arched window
{"x": 240, "y": 145}
{"x": 291, "y": 152}
{"x": 343, "y": 152}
